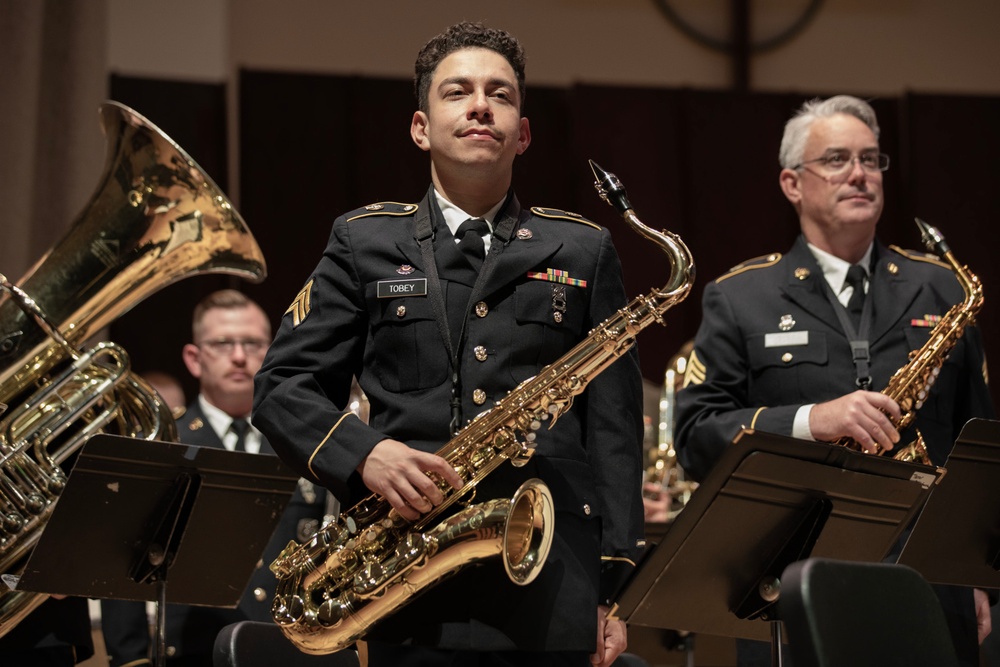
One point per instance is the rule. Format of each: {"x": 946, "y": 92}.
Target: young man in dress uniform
{"x": 436, "y": 333}
{"x": 772, "y": 352}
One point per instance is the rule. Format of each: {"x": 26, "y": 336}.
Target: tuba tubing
{"x": 155, "y": 218}
{"x": 361, "y": 568}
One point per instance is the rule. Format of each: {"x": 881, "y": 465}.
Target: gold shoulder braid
{"x": 761, "y": 262}
{"x": 391, "y": 208}
{"x": 919, "y": 256}
{"x": 559, "y": 214}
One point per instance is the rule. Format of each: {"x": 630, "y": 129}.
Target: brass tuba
{"x": 910, "y": 385}
{"x": 370, "y": 562}
{"x": 154, "y": 219}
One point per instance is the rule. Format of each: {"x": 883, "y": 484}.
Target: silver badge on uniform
{"x": 558, "y": 302}
{"x": 786, "y": 322}
{"x": 524, "y": 234}
{"x": 790, "y": 339}
{"x": 404, "y": 270}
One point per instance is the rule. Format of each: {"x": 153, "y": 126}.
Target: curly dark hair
{"x": 462, "y": 36}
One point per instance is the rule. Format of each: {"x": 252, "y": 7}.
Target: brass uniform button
{"x": 786, "y": 357}
{"x": 482, "y": 310}
{"x": 171, "y": 651}
{"x": 480, "y": 352}
{"x": 259, "y": 594}
{"x": 400, "y": 311}
{"x": 479, "y": 397}
{"x": 586, "y": 509}
{"x": 557, "y": 316}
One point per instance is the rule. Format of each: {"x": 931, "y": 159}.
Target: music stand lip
{"x": 732, "y": 531}
{"x": 116, "y": 489}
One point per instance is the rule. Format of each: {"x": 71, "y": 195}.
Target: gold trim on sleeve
{"x": 323, "y": 442}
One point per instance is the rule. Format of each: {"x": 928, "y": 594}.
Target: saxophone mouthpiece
{"x": 610, "y": 188}
{"x": 932, "y": 238}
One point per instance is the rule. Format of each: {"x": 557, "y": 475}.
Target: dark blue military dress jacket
{"x": 770, "y": 342}
{"x": 367, "y": 311}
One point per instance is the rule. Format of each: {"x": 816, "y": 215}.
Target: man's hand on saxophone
{"x": 867, "y": 417}
{"x": 399, "y": 474}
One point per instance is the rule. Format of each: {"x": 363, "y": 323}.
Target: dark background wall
{"x": 700, "y": 163}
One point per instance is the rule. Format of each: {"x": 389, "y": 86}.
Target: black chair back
{"x": 840, "y": 614}
{"x": 255, "y": 644}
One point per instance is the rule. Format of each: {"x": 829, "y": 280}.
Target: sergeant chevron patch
{"x": 695, "y": 373}
{"x": 301, "y": 306}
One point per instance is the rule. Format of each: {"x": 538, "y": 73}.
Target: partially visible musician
{"x": 440, "y": 308}
{"x": 772, "y": 352}
{"x": 230, "y": 334}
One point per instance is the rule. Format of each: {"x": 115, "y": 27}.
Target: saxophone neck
{"x": 681, "y": 279}
{"x": 935, "y": 242}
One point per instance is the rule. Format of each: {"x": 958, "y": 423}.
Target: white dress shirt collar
{"x": 220, "y": 422}
{"x": 835, "y": 270}
{"x": 454, "y": 216}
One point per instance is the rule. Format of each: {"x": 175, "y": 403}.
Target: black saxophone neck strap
{"x": 502, "y": 232}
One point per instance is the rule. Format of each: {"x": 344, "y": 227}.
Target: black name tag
{"x": 393, "y": 288}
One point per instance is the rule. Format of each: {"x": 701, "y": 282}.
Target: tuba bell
{"x": 155, "y": 218}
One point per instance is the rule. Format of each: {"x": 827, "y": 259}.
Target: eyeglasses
{"x": 226, "y": 346}
{"x": 842, "y": 162}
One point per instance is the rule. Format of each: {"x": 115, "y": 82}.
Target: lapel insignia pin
{"x": 801, "y": 273}
{"x": 196, "y": 424}
{"x": 786, "y": 323}
{"x": 892, "y": 268}
{"x": 524, "y": 234}
{"x": 404, "y": 270}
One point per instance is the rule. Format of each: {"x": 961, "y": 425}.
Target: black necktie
{"x": 470, "y": 239}
{"x": 240, "y": 428}
{"x": 856, "y": 279}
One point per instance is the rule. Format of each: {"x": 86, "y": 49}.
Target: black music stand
{"x": 963, "y": 513}
{"x": 768, "y": 502}
{"x": 136, "y": 515}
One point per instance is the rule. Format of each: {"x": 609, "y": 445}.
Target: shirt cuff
{"x": 800, "y": 425}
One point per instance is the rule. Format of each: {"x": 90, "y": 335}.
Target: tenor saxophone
{"x": 368, "y": 563}
{"x": 911, "y": 384}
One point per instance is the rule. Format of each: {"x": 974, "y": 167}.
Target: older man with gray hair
{"x": 836, "y": 285}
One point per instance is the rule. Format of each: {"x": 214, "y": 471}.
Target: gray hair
{"x": 793, "y": 143}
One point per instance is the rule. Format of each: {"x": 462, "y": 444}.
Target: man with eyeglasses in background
{"x": 773, "y": 352}
{"x": 231, "y": 334}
